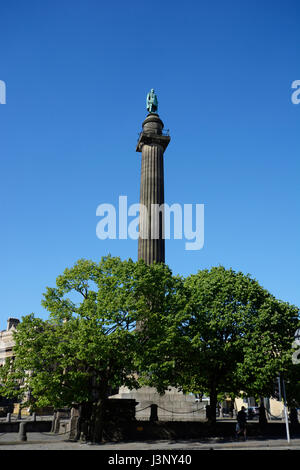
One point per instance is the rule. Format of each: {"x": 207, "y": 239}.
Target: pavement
{"x": 49, "y": 441}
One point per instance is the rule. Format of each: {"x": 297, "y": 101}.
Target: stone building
{"x": 6, "y": 339}
{"x": 6, "y": 350}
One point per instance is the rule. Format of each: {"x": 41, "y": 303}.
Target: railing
{"x": 164, "y": 132}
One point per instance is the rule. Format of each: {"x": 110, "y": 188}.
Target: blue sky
{"x": 77, "y": 74}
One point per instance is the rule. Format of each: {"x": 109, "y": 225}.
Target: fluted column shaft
{"x": 151, "y": 249}
{"x": 152, "y": 143}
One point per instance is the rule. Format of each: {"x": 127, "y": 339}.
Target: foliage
{"x": 224, "y": 334}
{"x": 118, "y": 323}
{"x": 86, "y": 348}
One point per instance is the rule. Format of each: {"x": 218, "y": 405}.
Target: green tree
{"x": 90, "y": 345}
{"x": 223, "y": 333}
{"x": 240, "y": 335}
{"x": 268, "y": 347}
{"x": 87, "y": 346}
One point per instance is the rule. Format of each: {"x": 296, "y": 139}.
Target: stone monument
{"x": 152, "y": 143}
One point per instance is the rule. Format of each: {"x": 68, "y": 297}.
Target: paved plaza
{"x": 48, "y": 441}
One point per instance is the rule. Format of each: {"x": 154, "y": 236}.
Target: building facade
{"x": 7, "y": 340}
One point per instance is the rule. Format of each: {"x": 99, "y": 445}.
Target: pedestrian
{"x": 241, "y": 423}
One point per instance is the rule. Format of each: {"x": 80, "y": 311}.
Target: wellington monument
{"x": 152, "y": 143}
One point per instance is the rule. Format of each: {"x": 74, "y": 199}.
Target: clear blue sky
{"x": 77, "y": 74}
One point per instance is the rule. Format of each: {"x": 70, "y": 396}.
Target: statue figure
{"x": 152, "y": 102}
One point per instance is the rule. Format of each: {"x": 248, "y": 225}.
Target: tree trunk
{"x": 91, "y": 421}
{"x": 211, "y": 415}
{"x": 84, "y": 421}
{"x": 97, "y": 420}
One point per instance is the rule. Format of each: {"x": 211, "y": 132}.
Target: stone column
{"x": 152, "y": 144}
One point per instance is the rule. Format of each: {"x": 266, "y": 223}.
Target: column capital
{"x": 152, "y": 139}
{"x": 152, "y": 133}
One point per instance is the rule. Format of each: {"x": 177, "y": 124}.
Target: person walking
{"x": 241, "y": 428}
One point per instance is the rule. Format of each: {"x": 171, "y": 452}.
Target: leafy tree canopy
{"x": 226, "y": 334}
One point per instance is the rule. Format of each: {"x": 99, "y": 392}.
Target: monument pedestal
{"x": 172, "y": 406}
